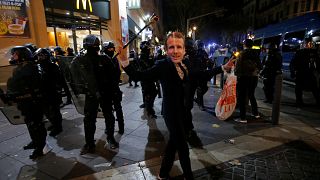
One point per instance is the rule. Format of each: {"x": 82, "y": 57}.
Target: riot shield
{"x": 77, "y": 81}
{"x": 7, "y": 104}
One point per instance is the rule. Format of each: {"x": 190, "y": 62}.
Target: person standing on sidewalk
{"x": 108, "y": 49}
{"x": 272, "y": 64}
{"x": 149, "y": 88}
{"x": 51, "y": 78}
{"x": 25, "y": 89}
{"x": 247, "y": 69}
{"x": 133, "y": 59}
{"x": 174, "y": 78}
{"x": 304, "y": 67}
{"x": 95, "y": 72}
{"x": 59, "y": 53}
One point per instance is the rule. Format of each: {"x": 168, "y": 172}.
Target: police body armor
{"x": 20, "y": 85}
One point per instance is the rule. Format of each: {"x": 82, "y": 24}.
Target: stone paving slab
{"x": 294, "y": 160}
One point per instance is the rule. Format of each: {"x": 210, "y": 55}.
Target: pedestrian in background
{"x": 173, "y": 74}
{"x": 272, "y": 64}
{"x": 203, "y": 58}
{"x": 133, "y": 59}
{"x": 70, "y": 52}
{"x": 247, "y": 68}
{"x": 304, "y": 67}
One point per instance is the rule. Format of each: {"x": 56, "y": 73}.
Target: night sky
{"x": 209, "y": 27}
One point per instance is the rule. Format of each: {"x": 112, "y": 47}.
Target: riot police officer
{"x": 95, "y": 72}
{"x": 303, "y": 67}
{"x": 133, "y": 59}
{"x": 108, "y": 49}
{"x": 203, "y": 59}
{"x": 24, "y": 88}
{"x": 59, "y": 52}
{"x": 52, "y": 80}
{"x": 149, "y": 89}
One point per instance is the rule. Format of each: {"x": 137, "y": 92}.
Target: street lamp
{"x": 218, "y": 12}
{"x": 194, "y": 28}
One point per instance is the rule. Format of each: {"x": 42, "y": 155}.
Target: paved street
{"x": 260, "y": 150}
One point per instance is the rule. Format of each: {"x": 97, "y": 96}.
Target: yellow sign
{"x": 3, "y": 28}
{"x": 84, "y": 4}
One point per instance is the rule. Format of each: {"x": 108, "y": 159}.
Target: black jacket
{"x": 175, "y": 90}
{"x": 248, "y": 63}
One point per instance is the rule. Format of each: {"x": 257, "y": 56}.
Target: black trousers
{"x": 268, "y": 87}
{"x": 52, "y": 112}
{"x": 177, "y": 143}
{"x": 246, "y": 86}
{"x": 310, "y": 83}
{"x": 33, "y": 117}
{"x": 91, "y": 109}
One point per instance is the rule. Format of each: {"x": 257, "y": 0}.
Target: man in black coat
{"x": 174, "y": 78}
{"x": 247, "y": 69}
{"x": 272, "y": 64}
{"x": 304, "y": 67}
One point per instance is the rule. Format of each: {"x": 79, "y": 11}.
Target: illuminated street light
{"x": 194, "y": 28}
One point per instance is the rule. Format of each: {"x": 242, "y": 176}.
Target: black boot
{"x": 113, "y": 144}
{"x": 121, "y": 126}
{"x": 55, "y": 132}
{"x": 36, "y": 154}
{"x": 29, "y": 146}
{"x": 88, "y": 149}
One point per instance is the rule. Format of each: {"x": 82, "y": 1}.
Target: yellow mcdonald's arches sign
{"x": 84, "y": 4}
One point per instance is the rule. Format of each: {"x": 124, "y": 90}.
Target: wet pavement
{"x": 263, "y": 150}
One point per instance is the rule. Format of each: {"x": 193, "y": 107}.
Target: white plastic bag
{"x": 228, "y": 99}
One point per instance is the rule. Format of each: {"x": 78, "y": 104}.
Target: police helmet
{"x": 23, "y": 53}
{"x": 59, "y": 50}
{"x": 107, "y": 45}
{"x": 31, "y": 47}
{"x": 189, "y": 43}
{"x": 90, "y": 41}
{"x": 145, "y": 45}
{"x": 199, "y": 44}
{"x": 271, "y": 46}
{"x": 42, "y": 51}
{"x": 248, "y": 43}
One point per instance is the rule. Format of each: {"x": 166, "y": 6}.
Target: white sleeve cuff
{"x": 222, "y": 67}
{"x": 124, "y": 63}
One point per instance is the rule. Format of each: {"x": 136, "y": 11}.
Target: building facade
{"x": 263, "y": 12}
{"x": 50, "y": 23}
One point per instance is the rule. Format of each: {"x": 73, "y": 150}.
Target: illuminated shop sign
{"x": 133, "y": 4}
{"x": 99, "y": 8}
{"x": 84, "y": 4}
{"x": 14, "y": 21}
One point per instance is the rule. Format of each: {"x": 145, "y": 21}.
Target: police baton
{"x": 153, "y": 19}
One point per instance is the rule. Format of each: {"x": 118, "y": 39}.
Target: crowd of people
{"x": 183, "y": 72}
